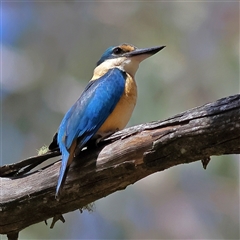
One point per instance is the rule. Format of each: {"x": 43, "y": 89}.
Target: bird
{"x": 104, "y": 107}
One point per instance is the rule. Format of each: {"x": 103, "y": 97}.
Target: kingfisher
{"x": 105, "y": 106}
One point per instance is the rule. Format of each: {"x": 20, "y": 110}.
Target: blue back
{"x": 91, "y": 110}
{"x": 87, "y": 115}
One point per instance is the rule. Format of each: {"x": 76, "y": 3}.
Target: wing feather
{"x": 92, "y": 108}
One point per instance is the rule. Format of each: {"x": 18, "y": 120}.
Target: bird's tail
{"x": 67, "y": 157}
{"x": 63, "y": 172}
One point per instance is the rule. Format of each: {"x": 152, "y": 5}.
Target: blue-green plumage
{"x": 89, "y": 112}
{"x": 106, "y": 55}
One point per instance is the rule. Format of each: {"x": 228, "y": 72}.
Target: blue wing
{"x": 88, "y": 114}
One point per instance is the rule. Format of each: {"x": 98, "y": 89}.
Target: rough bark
{"x": 121, "y": 160}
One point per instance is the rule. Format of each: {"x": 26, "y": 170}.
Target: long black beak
{"x": 143, "y": 51}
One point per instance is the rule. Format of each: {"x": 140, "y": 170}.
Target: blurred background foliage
{"x": 48, "y": 53}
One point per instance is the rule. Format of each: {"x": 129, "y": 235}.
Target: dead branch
{"x": 120, "y": 160}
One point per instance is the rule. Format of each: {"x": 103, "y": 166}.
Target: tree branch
{"x": 121, "y": 160}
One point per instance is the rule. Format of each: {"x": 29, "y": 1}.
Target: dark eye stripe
{"x": 118, "y": 51}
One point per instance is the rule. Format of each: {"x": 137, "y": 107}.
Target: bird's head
{"x": 125, "y": 57}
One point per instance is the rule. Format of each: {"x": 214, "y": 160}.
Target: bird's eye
{"x": 118, "y": 51}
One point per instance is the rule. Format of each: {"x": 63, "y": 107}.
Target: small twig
{"x": 13, "y": 236}
{"x": 26, "y": 165}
